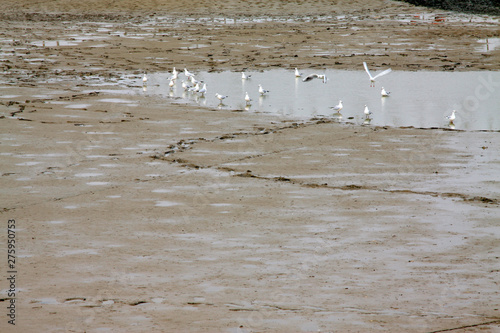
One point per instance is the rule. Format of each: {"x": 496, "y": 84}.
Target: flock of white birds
{"x": 191, "y": 84}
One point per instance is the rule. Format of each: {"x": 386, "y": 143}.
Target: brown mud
{"x": 138, "y": 213}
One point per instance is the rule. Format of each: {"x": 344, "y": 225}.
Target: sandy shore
{"x": 138, "y": 213}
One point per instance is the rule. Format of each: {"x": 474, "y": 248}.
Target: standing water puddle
{"x": 488, "y": 44}
{"x": 419, "y": 99}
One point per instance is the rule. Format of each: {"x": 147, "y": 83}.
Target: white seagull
{"x": 144, "y": 79}
{"x": 315, "y": 76}
{"x": 174, "y": 75}
{"x": 187, "y": 73}
{"x": 196, "y": 88}
{"x": 297, "y": 73}
{"x": 193, "y": 79}
{"x": 452, "y": 116}
{"x": 203, "y": 90}
{"x": 248, "y": 100}
{"x": 220, "y": 97}
{"x": 372, "y": 78}
{"x": 337, "y": 107}
{"x": 385, "y": 93}
{"x": 367, "y": 112}
{"x": 262, "y": 91}
{"x": 171, "y": 84}
{"x": 185, "y": 85}
{"x": 244, "y": 76}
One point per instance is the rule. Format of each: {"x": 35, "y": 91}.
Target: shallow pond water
{"x": 419, "y": 99}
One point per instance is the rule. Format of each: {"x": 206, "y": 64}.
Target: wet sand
{"x": 139, "y": 213}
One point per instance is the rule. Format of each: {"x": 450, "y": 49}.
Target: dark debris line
{"x": 467, "y": 326}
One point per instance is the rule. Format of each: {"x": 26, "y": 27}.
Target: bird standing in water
{"x": 248, "y": 100}
{"x": 367, "y": 112}
{"x": 451, "y": 117}
{"x": 337, "y": 107}
{"x": 262, "y": 91}
{"x": 384, "y": 92}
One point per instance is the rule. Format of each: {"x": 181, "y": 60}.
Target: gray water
{"x": 419, "y": 99}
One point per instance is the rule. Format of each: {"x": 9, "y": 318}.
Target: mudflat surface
{"x": 139, "y": 213}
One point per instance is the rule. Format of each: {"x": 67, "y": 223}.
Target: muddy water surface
{"x": 418, "y": 99}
